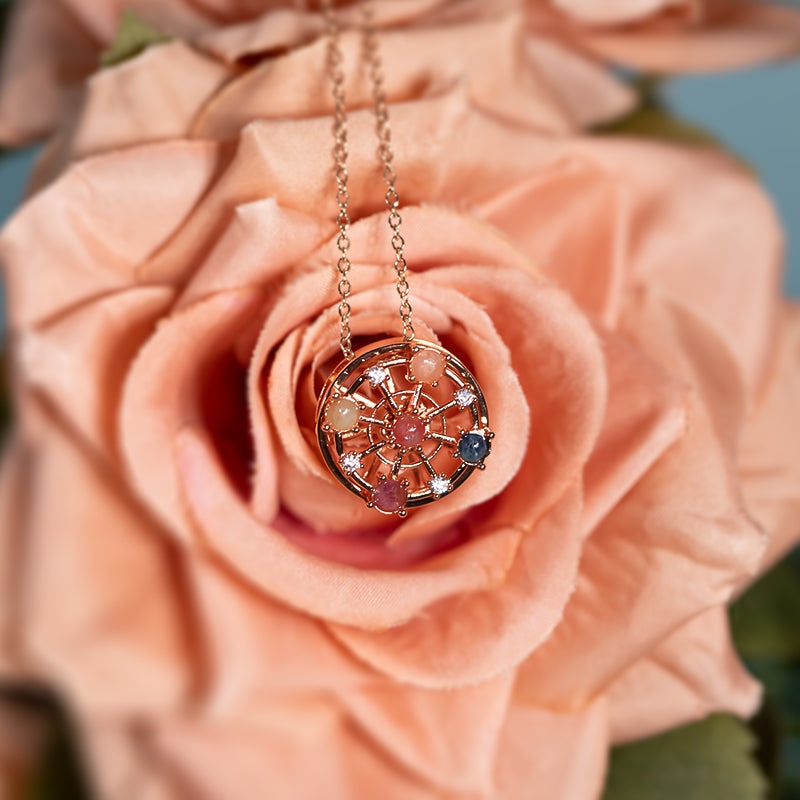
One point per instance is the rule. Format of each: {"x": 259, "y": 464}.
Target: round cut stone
{"x": 427, "y": 366}
{"x": 408, "y": 430}
{"x": 389, "y": 496}
{"x": 351, "y": 462}
{"x": 473, "y": 448}
{"x": 464, "y": 397}
{"x": 342, "y": 414}
{"x": 439, "y": 485}
{"x": 377, "y": 375}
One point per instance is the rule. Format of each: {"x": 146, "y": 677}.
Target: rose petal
{"x": 562, "y": 755}
{"x": 83, "y": 237}
{"x": 590, "y": 93}
{"x": 692, "y": 673}
{"x": 478, "y": 635}
{"x": 290, "y": 161}
{"x": 121, "y": 761}
{"x": 645, "y": 414}
{"x": 558, "y": 363}
{"x": 680, "y": 542}
{"x": 417, "y": 62}
{"x": 770, "y": 468}
{"x": 216, "y": 762}
{"x": 259, "y": 649}
{"x": 32, "y": 69}
{"x": 580, "y": 235}
{"x": 151, "y": 98}
{"x": 280, "y": 29}
{"x": 161, "y": 394}
{"x": 80, "y": 360}
{"x": 634, "y": 222}
{"x": 448, "y": 739}
{"x": 87, "y": 534}
{"x": 745, "y": 34}
{"x": 262, "y": 241}
{"x": 620, "y": 12}
{"x": 369, "y": 599}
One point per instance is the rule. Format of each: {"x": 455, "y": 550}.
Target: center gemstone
{"x": 408, "y": 430}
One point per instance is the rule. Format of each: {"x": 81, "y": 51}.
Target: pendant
{"x": 402, "y": 423}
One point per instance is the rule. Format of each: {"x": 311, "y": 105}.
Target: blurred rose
{"x": 226, "y": 620}
{"x": 54, "y": 45}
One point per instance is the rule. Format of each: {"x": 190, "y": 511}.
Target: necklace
{"x": 402, "y": 422}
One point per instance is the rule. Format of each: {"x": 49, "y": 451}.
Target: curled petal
{"x": 474, "y": 637}
{"x": 695, "y": 671}
{"x": 370, "y": 599}
{"x": 680, "y": 542}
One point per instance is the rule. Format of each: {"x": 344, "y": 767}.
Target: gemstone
{"x": 342, "y": 414}
{"x": 377, "y": 375}
{"x": 464, "y": 396}
{"x": 427, "y": 366}
{"x": 389, "y": 496}
{"x": 439, "y": 485}
{"x": 473, "y": 447}
{"x": 408, "y": 430}
{"x": 351, "y": 462}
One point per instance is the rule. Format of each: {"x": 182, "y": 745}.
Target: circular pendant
{"x": 402, "y": 423}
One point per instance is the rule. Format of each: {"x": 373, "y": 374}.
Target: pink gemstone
{"x": 408, "y": 430}
{"x": 389, "y": 496}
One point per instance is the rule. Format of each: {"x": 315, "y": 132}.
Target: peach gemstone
{"x": 408, "y": 430}
{"x": 342, "y": 414}
{"x": 427, "y": 366}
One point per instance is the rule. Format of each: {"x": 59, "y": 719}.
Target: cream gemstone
{"x": 427, "y": 366}
{"x": 342, "y": 414}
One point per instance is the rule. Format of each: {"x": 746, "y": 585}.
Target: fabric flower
{"x": 224, "y": 619}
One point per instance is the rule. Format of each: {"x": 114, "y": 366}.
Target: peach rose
{"x": 223, "y": 618}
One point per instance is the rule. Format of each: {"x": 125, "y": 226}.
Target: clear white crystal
{"x": 439, "y": 484}
{"x": 464, "y": 397}
{"x": 351, "y": 462}
{"x": 377, "y": 375}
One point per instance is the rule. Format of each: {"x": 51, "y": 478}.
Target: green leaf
{"x": 650, "y": 122}
{"x": 652, "y": 119}
{"x": 708, "y": 760}
{"x": 134, "y": 35}
{"x": 766, "y": 620}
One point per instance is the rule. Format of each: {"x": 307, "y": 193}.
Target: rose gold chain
{"x": 335, "y": 62}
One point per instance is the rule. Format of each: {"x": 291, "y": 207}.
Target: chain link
{"x": 336, "y": 71}
{"x": 335, "y": 62}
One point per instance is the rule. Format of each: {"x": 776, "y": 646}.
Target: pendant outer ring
{"x": 385, "y": 349}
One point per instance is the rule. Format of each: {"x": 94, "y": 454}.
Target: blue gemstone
{"x": 473, "y": 448}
